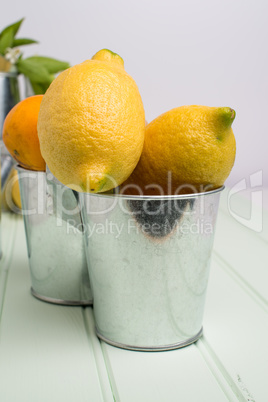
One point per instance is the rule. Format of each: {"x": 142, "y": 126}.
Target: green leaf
{"x": 34, "y": 71}
{"x": 23, "y": 41}
{"x": 6, "y": 41}
{"x": 53, "y": 66}
{"x": 39, "y": 88}
{"x": 13, "y": 27}
{"x": 7, "y": 36}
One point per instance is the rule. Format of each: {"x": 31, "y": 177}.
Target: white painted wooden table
{"x": 50, "y": 353}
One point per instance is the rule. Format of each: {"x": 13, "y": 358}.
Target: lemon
{"x": 16, "y": 191}
{"x": 187, "y": 149}
{"x": 11, "y": 192}
{"x": 91, "y": 124}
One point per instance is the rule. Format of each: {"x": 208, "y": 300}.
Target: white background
{"x": 210, "y": 52}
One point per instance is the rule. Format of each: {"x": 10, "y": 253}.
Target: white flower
{"x": 12, "y": 55}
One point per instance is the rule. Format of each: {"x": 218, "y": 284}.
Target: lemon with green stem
{"x": 91, "y": 124}
{"x": 187, "y": 149}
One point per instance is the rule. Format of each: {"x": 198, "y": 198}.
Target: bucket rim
{"x": 116, "y": 194}
{"x": 18, "y": 167}
{"x": 8, "y": 74}
{"x": 152, "y": 197}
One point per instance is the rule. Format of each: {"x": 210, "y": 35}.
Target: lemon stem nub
{"x": 108, "y": 56}
{"x": 226, "y": 116}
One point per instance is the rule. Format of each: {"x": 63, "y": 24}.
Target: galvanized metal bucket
{"x": 54, "y": 237}
{"x": 149, "y": 260}
{"x": 0, "y": 208}
{"x": 9, "y": 95}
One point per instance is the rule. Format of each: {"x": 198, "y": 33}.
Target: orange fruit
{"x": 91, "y": 124}
{"x": 20, "y": 133}
{"x": 187, "y": 149}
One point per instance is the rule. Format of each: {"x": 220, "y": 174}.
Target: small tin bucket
{"x": 9, "y": 95}
{"x": 148, "y": 260}
{"x": 0, "y": 204}
{"x": 54, "y": 238}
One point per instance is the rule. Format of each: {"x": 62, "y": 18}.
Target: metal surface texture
{"x": 1, "y": 253}
{"x": 54, "y": 238}
{"x": 149, "y": 260}
{"x": 9, "y": 95}
{"x": 7, "y": 162}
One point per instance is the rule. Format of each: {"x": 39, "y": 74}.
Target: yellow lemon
{"x": 91, "y": 124}
{"x": 187, "y": 149}
{"x": 16, "y": 191}
{"x": 11, "y": 192}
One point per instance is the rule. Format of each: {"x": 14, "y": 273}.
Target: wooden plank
{"x": 98, "y": 354}
{"x": 236, "y": 332}
{"x": 8, "y": 230}
{"x": 45, "y": 351}
{"x": 178, "y": 375}
{"x": 8, "y": 227}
